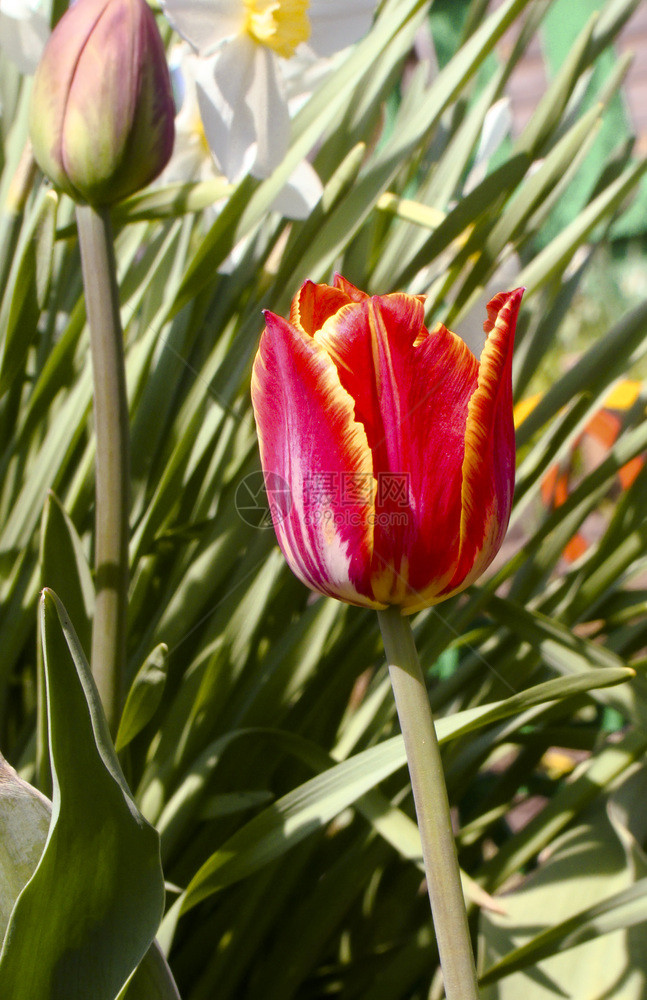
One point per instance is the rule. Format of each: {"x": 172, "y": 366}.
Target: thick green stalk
{"x": 112, "y": 457}
{"x": 432, "y": 807}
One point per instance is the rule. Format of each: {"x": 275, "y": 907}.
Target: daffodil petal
{"x": 206, "y": 24}
{"x": 227, "y": 121}
{"x": 301, "y": 193}
{"x": 245, "y": 117}
{"x": 270, "y": 111}
{"x": 309, "y": 437}
{"x": 338, "y": 23}
{"x": 24, "y": 29}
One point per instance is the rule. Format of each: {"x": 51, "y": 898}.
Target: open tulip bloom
{"x": 388, "y": 456}
{"x": 395, "y": 443}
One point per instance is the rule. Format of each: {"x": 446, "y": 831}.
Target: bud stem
{"x": 432, "y": 807}
{"x": 112, "y": 457}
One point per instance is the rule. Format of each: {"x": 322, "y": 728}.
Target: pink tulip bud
{"x": 396, "y": 444}
{"x": 102, "y": 113}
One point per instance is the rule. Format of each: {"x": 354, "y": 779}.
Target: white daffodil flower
{"x": 192, "y": 158}
{"x": 244, "y": 48}
{"x": 24, "y": 29}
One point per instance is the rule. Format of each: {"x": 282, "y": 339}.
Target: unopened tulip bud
{"x": 102, "y": 113}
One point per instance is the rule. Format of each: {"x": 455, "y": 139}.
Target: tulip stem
{"x": 432, "y": 807}
{"x": 112, "y": 469}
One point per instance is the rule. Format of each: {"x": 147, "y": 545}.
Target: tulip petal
{"x": 309, "y": 436}
{"x": 101, "y": 111}
{"x": 443, "y": 379}
{"x": 489, "y": 463}
{"x": 314, "y": 304}
{"x": 370, "y": 342}
{"x": 118, "y": 129}
{"x": 411, "y": 392}
{"x": 51, "y": 89}
{"x": 354, "y": 294}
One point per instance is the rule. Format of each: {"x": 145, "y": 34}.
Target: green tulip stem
{"x": 432, "y": 807}
{"x": 112, "y": 475}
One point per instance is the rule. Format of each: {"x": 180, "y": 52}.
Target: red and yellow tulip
{"x": 396, "y": 444}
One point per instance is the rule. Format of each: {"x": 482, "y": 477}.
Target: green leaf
{"x": 24, "y": 822}
{"x": 64, "y": 568}
{"x": 250, "y": 201}
{"x": 58, "y": 443}
{"x": 26, "y": 288}
{"x": 589, "y": 779}
{"x": 45, "y": 236}
{"x": 144, "y": 696}
{"x": 559, "y": 647}
{"x": 534, "y": 191}
{"x": 293, "y": 817}
{"x": 551, "y": 261}
{"x": 153, "y": 979}
{"x": 585, "y": 883}
{"x": 316, "y": 802}
{"x": 595, "y": 371}
{"x": 170, "y": 200}
{"x": 620, "y": 911}
{"x": 468, "y": 209}
{"x": 546, "y": 116}
{"x": 88, "y": 915}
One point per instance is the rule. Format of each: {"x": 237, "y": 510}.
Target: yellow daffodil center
{"x": 281, "y": 25}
